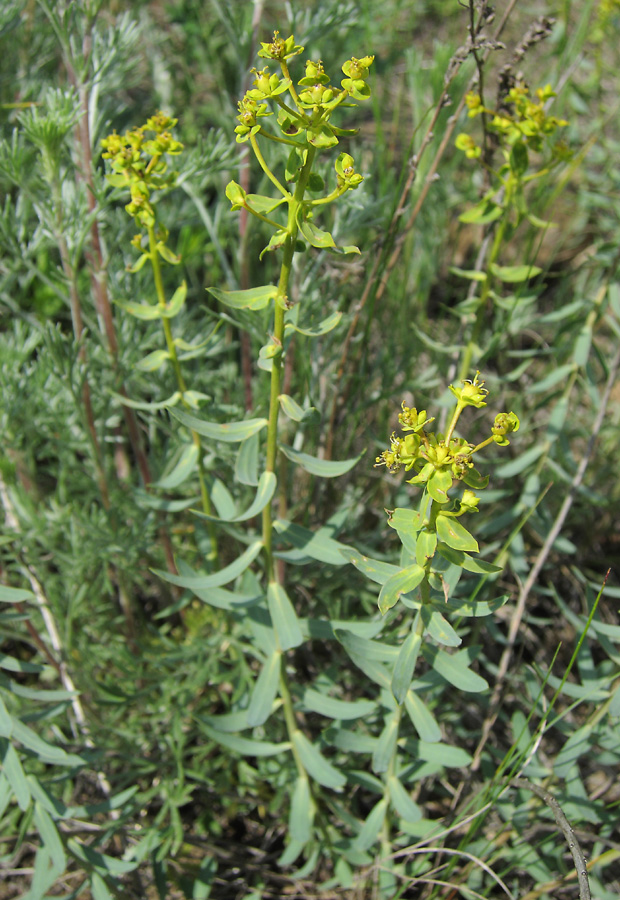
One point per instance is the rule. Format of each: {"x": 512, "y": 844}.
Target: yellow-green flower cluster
{"x": 139, "y": 162}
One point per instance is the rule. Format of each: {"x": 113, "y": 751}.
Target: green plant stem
{"x": 207, "y": 507}
{"x": 294, "y": 204}
{"x": 472, "y": 344}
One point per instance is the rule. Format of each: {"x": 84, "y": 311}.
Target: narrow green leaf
{"x": 323, "y": 328}
{"x": 14, "y": 774}
{"x": 384, "y": 749}
{"x": 109, "y": 864}
{"x": 454, "y": 534}
{"x": 374, "y": 569}
{"x": 441, "y": 754}
{"x": 404, "y": 666}
{"x": 50, "y": 837}
{"x": 514, "y": 274}
{"x": 294, "y": 411}
{"x": 469, "y": 563}
{"x": 153, "y": 361}
{"x": 284, "y": 617}
{"x": 99, "y": 888}
{"x": 20, "y": 665}
{"x": 454, "y": 669}
{"x": 482, "y": 213}
{"x": 439, "y": 628}
{"x": 372, "y": 826}
{"x": 316, "y": 544}
{"x": 145, "y": 499}
{"x": 245, "y": 746}
{"x": 265, "y": 691}
{"x": 182, "y": 470}
{"x": 316, "y": 764}
{"x": 14, "y": 595}
{"x": 324, "y": 468}
{"x": 470, "y": 274}
{"x": 422, "y": 718}
{"x": 217, "y": 579}
{"x": 302, "y": 811}
{"x": 229, "y": 432}
{"x": 46, "y": 752}
{"x": 246, "y": 464}
{"x": 6, "y": 721}
{"x": 264, "y": 492}
{"x": 142, "y": 311}
{"x": 402, "y": 802}
{"x": 475, "y": 608}
{"x": 316, "y": 237}
{"x": 356, "y": 650}
{"x": 143, "y": 404}
{"x": 404, "y": 581}
{"x": 557, "y": 376}
{"x": 177, "y": 300}
{"x": 334, "y": 708}
{"x": 254, "y": 298}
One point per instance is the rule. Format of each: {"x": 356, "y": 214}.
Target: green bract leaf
{"x": 325, "y": 468}
{"x": 514, "y": 274}
{"x": 406, "y": 521}
{"x": 229, "y": 432}
{"x": 316, "y": 237}
{"x": 454, "y": 535}
{"x": 253, "y": 298}
{"x": 316, "y": 764}
{"x": 438, "y": 485}
{"x": 402, "y": 582}
{"x": 283, "y": 617}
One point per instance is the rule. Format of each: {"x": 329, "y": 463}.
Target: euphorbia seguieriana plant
{"x": 523, "y": 134}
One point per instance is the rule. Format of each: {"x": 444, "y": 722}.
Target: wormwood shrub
{"x": 335, "y": 719}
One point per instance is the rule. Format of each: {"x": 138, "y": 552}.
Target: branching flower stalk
{"x": 140, "y": 163}
{"x": 435, "y": 543}
{"x": 521, "y": 126}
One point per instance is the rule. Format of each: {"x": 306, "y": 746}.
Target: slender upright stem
{"x": 174, "y": 359}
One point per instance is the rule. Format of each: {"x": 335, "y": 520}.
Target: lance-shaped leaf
{"x": 140, "y": 404}
{"x": 148, "y": 500}
{"x": 334, "y": 708}
{"x": 372, "y": 826}
{"x": 454, "y": 535}
{"x": 253, "y": 298}
{"x": 402, "y": 802}
{"x": 316, "y": 544}
{"x": 422, "y": 718}
{"x": 477, "y": 608}
{"x": 229, "y": 432}
{"x": 294, "y": 411}
{"x": 325, "y": 468}
{"x": 153, "y": 361}
{"x": 514, "y": 274}
{"x": 384, "y": 749}
{"x": 454, "y": 669}
{"x": 405, "y": 663}
{"x": 316, "y": 237}
{"x": 322, "y": 328}
{"x": 316, "y": 764}
{"x": 183, "y": 469}
{"x": 143, "y": 311}
{"x": 246, "y": 464}
{"x": 283, "y": 617}
{"x": 302, "y": 811}
{"x": 216, "y": 579}
{"x": 375, "y": 569}
{"x": 176, "y": 303}
{"x": 439, "y": 628}
{"x": 245, "y": 746}
{"x": 265, "y": 691}
{"x": 264, "y": 493}
{"x": 404, "y": 581}
{"x": 469, "y": 563}
{"x": 361, "y": 652}
{"x": 14, "y": 595}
